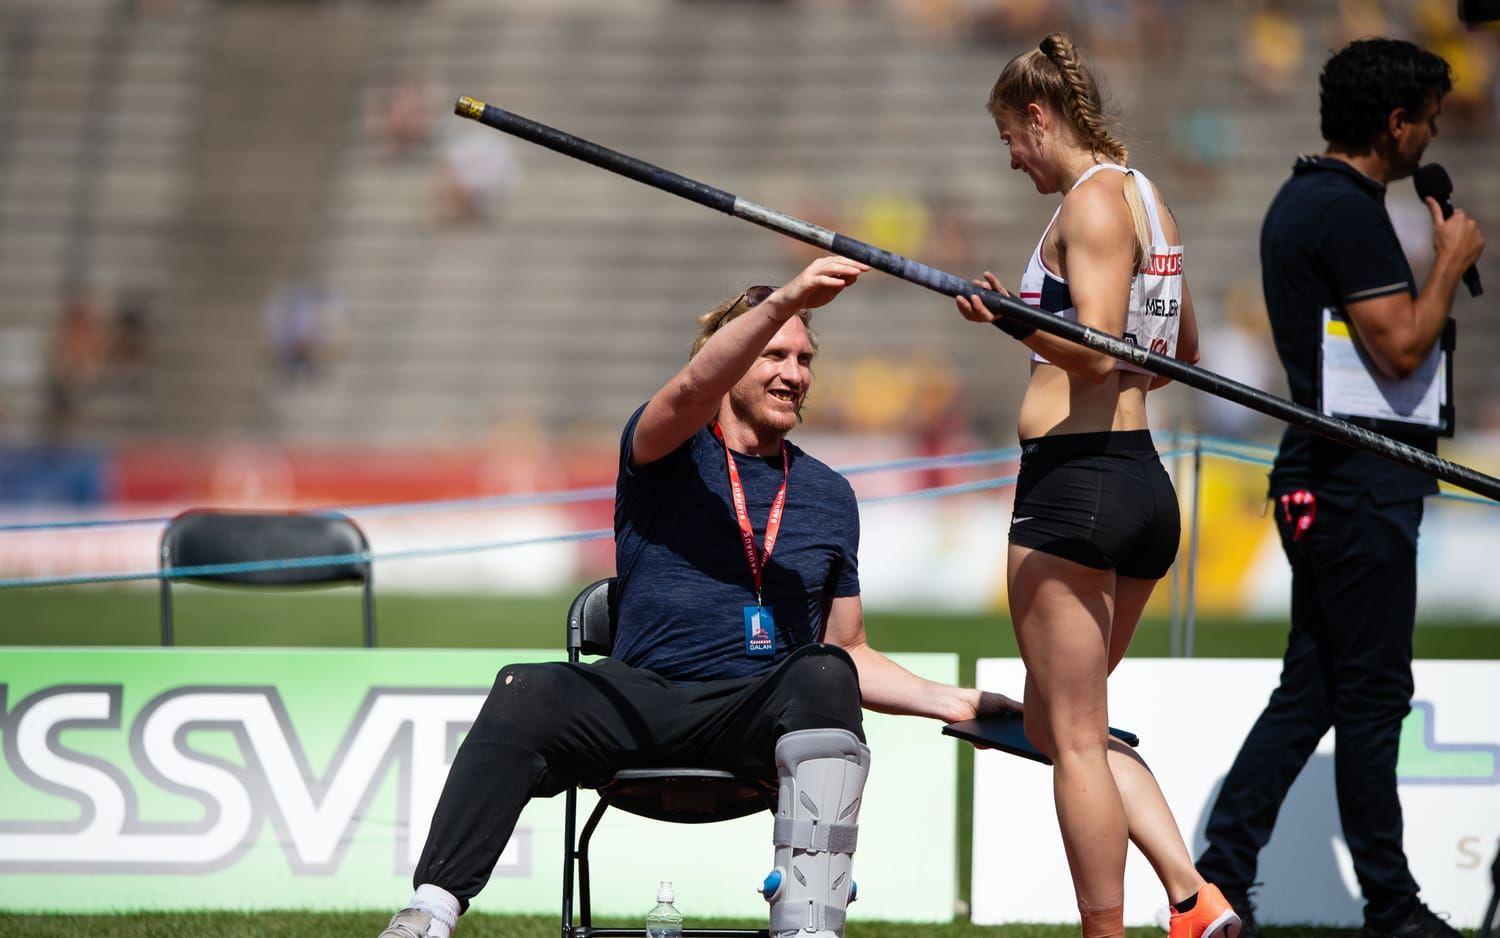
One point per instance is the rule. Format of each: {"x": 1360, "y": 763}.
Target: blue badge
{"x": 760, "y": 632}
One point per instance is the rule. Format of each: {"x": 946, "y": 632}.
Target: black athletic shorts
{"x": 1099, "y": 499}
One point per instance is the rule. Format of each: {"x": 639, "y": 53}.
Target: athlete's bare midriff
{"x": 1059, "y": 402}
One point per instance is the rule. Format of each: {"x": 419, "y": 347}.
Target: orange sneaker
{"x": 1210, "y": 917}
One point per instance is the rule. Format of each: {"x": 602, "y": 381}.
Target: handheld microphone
{"x": 1432, "y": 182}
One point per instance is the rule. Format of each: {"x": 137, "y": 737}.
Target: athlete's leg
{"x": 1061, "y": 612}
{"x": 1153, "y": 829}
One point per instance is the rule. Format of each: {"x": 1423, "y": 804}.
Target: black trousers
{"x": 546, "y": 727}
{"x": 1348, "y": 667}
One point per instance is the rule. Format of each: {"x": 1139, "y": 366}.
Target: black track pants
{"x": 546, "y": 727}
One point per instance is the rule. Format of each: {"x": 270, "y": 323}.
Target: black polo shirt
{"x": 1328, "y": 241}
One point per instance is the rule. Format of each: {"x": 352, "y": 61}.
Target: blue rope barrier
{"x": 1213, "y": 446}
{"x": 941, "y": 491}
{"x": 531, "y": 499}
{"x": 1209, "y": 439}
{"x": 95, "y": 523}
{"x": 1465, "y": 497}
{"x": 1243, "y": 451}
{"x": 976, "y": 458}
{"x": 203, "y": 571}
{"x": 1235, "y": 456}
{"x": 1222, "y": 447}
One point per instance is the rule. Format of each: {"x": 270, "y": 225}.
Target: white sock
{"x": 439, "y": 903}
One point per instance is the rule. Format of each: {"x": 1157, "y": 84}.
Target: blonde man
{"x": 736, "y": 554}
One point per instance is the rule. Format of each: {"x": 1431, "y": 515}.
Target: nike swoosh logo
{"x": 1019, "y": 520}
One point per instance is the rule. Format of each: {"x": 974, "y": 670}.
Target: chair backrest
{"x": 591, "y": 620}
{"x": 200, "y": 538}
{"x": 203, "y": 538}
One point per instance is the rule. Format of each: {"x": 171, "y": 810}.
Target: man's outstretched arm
{"x": 685, "y": 404}
{"x": 889, "y": 688}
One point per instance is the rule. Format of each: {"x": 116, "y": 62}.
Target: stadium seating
{"x": 212, "y": 153}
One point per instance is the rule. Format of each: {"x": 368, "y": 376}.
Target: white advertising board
{"x": 1192, "y": 716}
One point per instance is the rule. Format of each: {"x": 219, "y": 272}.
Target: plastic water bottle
{"x": 664, "y": 921}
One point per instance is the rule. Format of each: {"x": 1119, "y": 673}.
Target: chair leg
{"x": 368, "y": 605}
{"x": 585, "y": 911}
{"x": 569, "y": 811}
{"x": 166, "y": 612}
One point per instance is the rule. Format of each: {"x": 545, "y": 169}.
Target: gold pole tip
{"x": 469, "y": 107}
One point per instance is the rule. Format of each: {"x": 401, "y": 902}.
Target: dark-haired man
{"x": 1331, "y": 264}
{"x": 740, "y": 643}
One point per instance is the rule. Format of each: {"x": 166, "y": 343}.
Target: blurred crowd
{"x": 475, "y": 173}
{"x": 94, "y": 349}
{"x": 96, "y": 346}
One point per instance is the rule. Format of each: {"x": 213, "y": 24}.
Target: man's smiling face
{"x": 769, "y": 397}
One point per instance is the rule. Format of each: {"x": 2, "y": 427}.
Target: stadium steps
{"x": 508, "y": 320}
{"x": 260, "y": 171}
{"x": 116, "y": 80}
{"x": 578, "y": 300}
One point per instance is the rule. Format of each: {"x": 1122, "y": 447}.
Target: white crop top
{"x": 1155, "y": 290}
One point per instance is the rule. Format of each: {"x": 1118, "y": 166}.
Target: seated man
{"x": 728, "y": 654}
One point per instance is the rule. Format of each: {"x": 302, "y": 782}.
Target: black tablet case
{"x": 1003, "y": 731}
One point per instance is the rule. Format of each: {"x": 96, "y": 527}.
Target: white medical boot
{"x": 820, "y": 778}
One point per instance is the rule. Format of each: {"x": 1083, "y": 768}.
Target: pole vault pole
{"x": 945, "y": 283}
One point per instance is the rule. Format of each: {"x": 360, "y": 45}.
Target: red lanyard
{"x": 756, "y": 558}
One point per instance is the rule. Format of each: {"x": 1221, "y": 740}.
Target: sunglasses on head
{"x": 757, "y": 294}
{"x": 753, "y": 297}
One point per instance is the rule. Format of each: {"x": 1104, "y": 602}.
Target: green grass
{"x": 366, "y": 925}
{"x": 205, "y": 616}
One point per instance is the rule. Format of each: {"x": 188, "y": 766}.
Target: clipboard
{"x": 1351, "y": 388}
{"x": 1003, "y": 731}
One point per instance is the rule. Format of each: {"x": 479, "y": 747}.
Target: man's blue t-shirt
{"x": 684, "y": 580}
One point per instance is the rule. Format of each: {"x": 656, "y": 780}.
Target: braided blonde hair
{"x": 1054, "y": 74}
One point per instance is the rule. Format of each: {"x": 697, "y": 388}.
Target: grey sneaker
{"x": 408, "y": 923}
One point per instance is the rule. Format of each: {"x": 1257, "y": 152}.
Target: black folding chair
{"x": 678, "y": 795}
{"x": 201, "y": 537}
{"x": 1488, "y": 924}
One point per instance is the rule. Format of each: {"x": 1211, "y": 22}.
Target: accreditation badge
{"x": 760, "y": 632}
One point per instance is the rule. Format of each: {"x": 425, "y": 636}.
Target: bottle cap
{"x": 664, "y": 893}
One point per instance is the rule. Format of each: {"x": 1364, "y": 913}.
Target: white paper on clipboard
{"x": 1353, "y": 387}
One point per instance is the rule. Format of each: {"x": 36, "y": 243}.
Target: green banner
{"x": 274, "y": 778}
